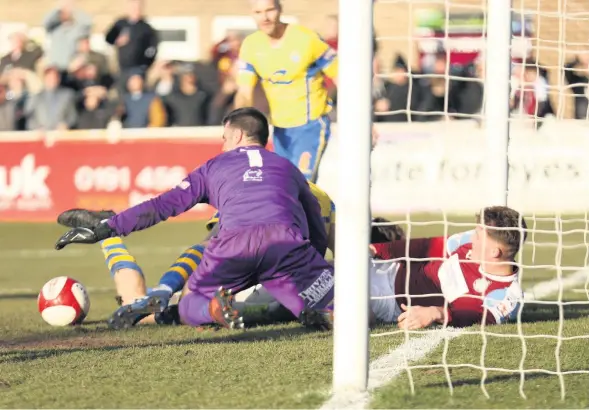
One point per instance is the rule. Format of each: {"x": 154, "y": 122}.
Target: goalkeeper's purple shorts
{"x": 276, "y": 256}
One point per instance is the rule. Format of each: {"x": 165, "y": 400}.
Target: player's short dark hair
{"x": 251, "y": 121}
{"x": 504, "y": 217}
{"x": 385, "y": 233}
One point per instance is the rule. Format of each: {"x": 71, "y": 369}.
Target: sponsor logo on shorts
{"x": 305, "y": 162}
{"x": 318, "y": 289}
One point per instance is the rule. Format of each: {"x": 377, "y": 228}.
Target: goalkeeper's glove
{"x": 85, "y": 235}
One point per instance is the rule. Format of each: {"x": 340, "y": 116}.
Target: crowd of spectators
{"x": 70, "y": 86}
{"x": 455, "y": 92}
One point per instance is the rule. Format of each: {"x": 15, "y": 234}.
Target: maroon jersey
{"x": 431, "y": 275}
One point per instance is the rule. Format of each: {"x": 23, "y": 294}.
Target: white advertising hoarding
{"x": 442, "y": 166}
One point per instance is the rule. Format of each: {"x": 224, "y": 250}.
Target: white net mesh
{"x": 437, "y": 162}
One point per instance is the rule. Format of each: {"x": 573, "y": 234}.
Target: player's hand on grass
{"x": 84, "y": 235}
{"x": 417, "y": 317}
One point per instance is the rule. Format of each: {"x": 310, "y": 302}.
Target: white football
{"x": 63, "y": 301}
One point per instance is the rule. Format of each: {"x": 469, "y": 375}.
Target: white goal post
{"x": 350, "y": 364}
{"x": 496, "y": 99}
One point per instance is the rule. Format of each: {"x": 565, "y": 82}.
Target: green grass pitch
{"x": 276, "y": 366}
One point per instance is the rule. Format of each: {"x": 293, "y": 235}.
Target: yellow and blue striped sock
{"x": 177, "y": 275}
{"x": 117, "y": 256}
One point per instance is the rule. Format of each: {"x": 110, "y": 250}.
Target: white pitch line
{"x": 549, "y": 287}
{"x": 386, "y": 368}
{"x": 77, "y": 252}
{"x": 389, "y": 366}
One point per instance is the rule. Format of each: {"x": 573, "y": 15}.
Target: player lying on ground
{"x": 128, "y": 276}
{"x": 271, "y": 231}
{"x": 476, "y": 283}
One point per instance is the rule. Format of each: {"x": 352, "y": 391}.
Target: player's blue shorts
{"x": 304, "y": 145}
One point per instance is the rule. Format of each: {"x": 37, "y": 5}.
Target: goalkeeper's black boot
{"x": 129, "y": 315}
{"x": 171, "y": 314}
{"x": 320, "y": 319}
{"x": 83, "y": 218}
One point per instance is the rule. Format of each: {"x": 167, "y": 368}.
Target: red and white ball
{"x": 63, "y": 301}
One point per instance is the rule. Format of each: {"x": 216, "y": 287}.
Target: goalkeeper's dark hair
{"x": 511, "y": 237}
{"x": 251, "y": 121}
{"x": 385, "y": 233}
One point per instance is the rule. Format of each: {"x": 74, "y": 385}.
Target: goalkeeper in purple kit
{"x": 271, "y": 230}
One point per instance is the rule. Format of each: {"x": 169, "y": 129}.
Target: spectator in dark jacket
{"x": 469, "y": 86}
{"x": 7, "y": 111}
{"x": 85, "y": 55}
{"x": 187, "y": 106}
{"x": 21, "y": 84}
{"x": 24, "y": 53}
{"x": 141, "y": 108}
{"x": 136, "y": 41}
{"x": 396, "y": 97}
{"x": 438, "y": 96}
{"x": 576, "y": 73}
{"x": 85, "y": 76}
{"x": 94, "y": 112}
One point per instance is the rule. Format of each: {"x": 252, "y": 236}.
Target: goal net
{"x": 431, "y": 172}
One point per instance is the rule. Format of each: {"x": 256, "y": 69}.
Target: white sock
{"x": 163, "y": 287}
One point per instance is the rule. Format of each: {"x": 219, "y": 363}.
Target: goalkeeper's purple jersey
{"x": 249, "y": 186}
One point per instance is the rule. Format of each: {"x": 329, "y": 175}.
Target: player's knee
{"x": 185, "y": 290}
{"x": 184, "y": 310}
{"x": 193, "y": 309}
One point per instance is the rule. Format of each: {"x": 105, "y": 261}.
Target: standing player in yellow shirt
{"x": 291, "y": 62}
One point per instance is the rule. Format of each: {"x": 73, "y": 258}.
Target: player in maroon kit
{"x": 469, "y": 279}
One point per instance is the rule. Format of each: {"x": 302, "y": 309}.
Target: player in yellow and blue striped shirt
{"x": 291, "y": 62}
